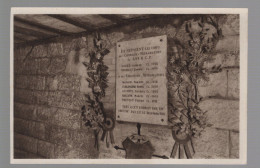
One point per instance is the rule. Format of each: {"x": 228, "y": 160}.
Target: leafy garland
{"x": 93, "y": 112}
{"x": 186, "y": 70}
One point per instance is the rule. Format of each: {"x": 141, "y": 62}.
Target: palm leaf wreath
{"x": 93, "y": 112}
{"x": 185, "y": 71}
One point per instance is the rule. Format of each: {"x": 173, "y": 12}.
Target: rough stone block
{"x": 226, "y": 59}
{"x": 113, "y": 37}
{"x": 111, "y": 74}
{"x": 56, "y": 134}
{"x": 16, "y": 52}
{"x": 111, "y": 78}
{"x": 37, "y": 130}
{"x": 212, "y": 144}
{"x": 39, "y": 51}
{"x": 43, "y": 65}
{"x": 57, "y": 65}
{"x": 45, "y": 149}
{"x": 84, "y": 86}
{"x": 41, "y": 97}
{"x": 24, "y": 96}
{"x": 66, "y": 99}
{"x": 54, "y": 98}
{"x": 36, "y": 82}
{"x": 66, "y": 152}
{"x": 234, "y": 142}
{"x": 77, "y": 138}
{"x": 228, "y": 44}
{"x": 87, "y": 150}
{"x": 216, "y": 86}
{"x": 45, "y": 113}
{"x": 29, "y": 66}
{"x": 72, "y": 100}
{"x": 222, "y": 113}
{"x": 20, "y": 154}
{"x": 55, "y": 49}
{"x": 79, "y": 144}
{"x": 32, "y": 81}
{"x": 111, "y": 68}
{"x": 71, "y": 137}
{"x": 25, "y": 143}
{"x": 233, "y": 83}
{"x": 68, "y": 118}
{"x": 21, "y": 126}
{"x": 18, "y": 67}
{"x": 21, "y": 81}
{"x": 109, "y": 60}
{"x": 51, "y": 83}
{"x": 21, "y": 52}
{"x": 29, "y": 128}
{"x": 68, "y": 82}
{"x": 62, "y": 117}
{"x": 40, "y": 83}
{"x": 25, "y": 111}
{"x": 76, "y": 44}
{"x": 231, "y": 25}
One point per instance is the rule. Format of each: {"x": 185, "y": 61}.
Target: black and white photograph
{"x": 128, "y": 85}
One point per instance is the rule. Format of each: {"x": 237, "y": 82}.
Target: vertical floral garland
{"x": 185, "y": 71}
{"x": 93, "y": 112}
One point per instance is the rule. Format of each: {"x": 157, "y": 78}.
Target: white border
{"x": 11, "y": 90}
{"x": 243, "y": 81}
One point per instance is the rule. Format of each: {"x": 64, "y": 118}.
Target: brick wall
{"x": 49, "y": 87}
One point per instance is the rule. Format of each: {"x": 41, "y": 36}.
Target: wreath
{"x": 93, "y": 113}
{"x": 185, "y": 71}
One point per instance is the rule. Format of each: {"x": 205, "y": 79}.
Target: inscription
{"x": 141, "y": 93}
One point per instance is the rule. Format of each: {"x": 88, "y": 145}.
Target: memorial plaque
{"x": 141, "y": 92}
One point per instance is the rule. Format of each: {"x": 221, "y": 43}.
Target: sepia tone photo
{"x": 144, "y": 86}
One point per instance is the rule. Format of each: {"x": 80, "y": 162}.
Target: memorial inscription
{"x": 141, "y": 92}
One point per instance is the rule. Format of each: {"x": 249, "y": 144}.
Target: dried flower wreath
{"x": 93, "y": 112}
{"x": 185, "y": 71}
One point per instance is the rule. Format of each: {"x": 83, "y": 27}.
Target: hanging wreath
{"x": 185, "y": 71}
{"x": 93, "y": 112}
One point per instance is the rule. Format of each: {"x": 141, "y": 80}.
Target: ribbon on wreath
{"x": 96, "y": 145}
{"x": 108, "y": 128}
{"x": 181, "y": 145}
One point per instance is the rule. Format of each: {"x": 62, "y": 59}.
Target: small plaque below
{"x": 141, "y": 92}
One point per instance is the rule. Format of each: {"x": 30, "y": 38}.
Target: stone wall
{"x": 49, "y": 88}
